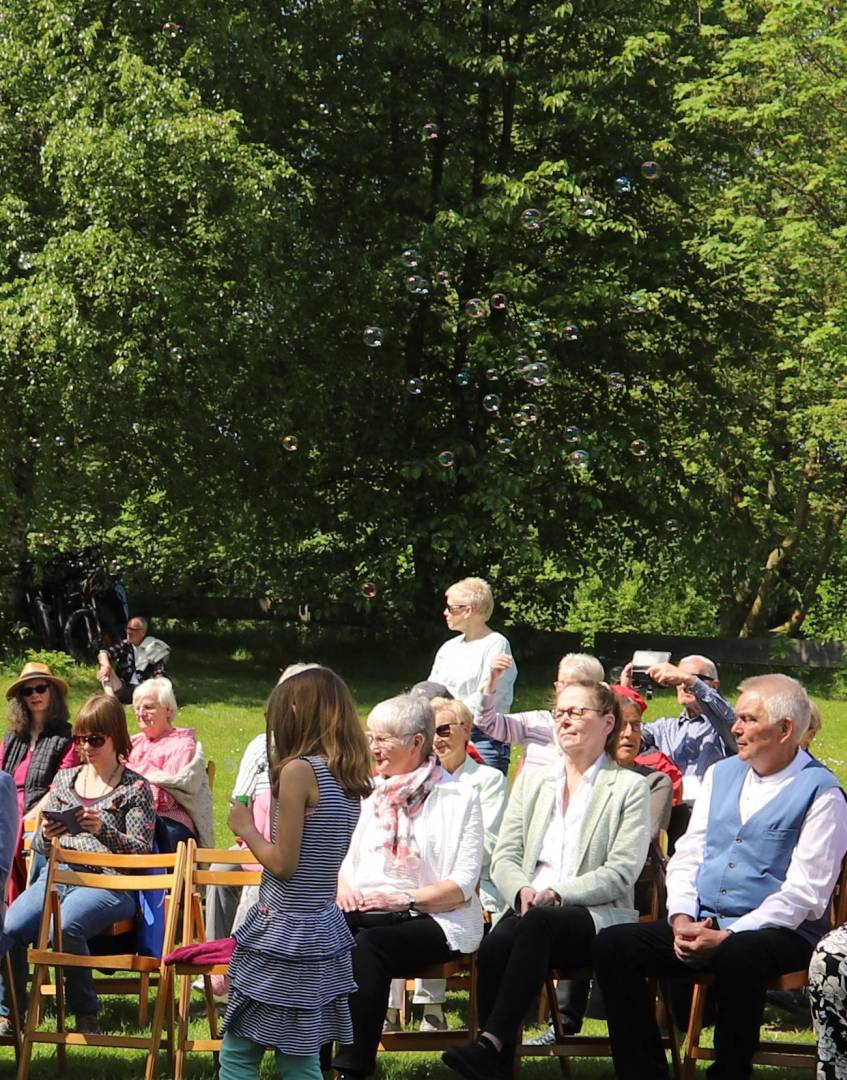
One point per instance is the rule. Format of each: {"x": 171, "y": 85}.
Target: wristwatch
{"x": 410, "y": 897}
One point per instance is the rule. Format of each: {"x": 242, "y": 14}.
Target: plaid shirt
{"x": 128, "y": 814}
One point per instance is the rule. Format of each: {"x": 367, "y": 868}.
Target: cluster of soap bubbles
{"x": 532, "y": 219}
{"x": 173, "y": 29}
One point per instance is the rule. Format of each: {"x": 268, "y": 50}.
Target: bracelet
{"x": 411, "y": 898}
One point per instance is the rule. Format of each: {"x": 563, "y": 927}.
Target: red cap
{"x": 633, "y": 695}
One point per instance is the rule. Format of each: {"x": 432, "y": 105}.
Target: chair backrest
{"x": 199, "y": 873}
{"x": 211, "y": 769}
{"x": 838, "y": 904}
{"x": 130, "y": 873}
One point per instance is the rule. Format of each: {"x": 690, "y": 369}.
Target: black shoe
{"x": 477, "y": 1061}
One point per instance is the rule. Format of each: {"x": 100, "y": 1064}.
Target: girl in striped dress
{"x": 291, "y": 973}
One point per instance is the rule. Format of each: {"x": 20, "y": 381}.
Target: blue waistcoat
{"x": 744, "y": 864}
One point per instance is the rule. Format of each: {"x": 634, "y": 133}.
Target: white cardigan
{"x": 449, "y": 833}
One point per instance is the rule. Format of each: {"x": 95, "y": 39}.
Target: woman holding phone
{"x": 98, "y": 806}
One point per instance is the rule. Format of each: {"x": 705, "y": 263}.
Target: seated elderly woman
{"x": 408, "y": 884}
{"x": 453, "y": 723}
{"x": 171, "y": 760}
{"x": 572, "y": 845}
{"x": 114, "y": 812}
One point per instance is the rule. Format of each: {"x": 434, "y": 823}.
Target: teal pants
{"x": 241, "y": 1059}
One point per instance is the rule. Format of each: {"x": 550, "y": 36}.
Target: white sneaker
{"x": 433, "y": 1022}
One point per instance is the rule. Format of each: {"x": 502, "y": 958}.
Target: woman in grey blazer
{"x": 572, "y": 845}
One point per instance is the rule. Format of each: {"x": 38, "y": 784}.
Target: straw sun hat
{"x": 35, "y": 672}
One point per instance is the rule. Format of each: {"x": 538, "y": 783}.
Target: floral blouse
{"x": 128, "y": 815}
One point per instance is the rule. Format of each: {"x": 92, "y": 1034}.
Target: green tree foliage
{"x": 200, "y": 218}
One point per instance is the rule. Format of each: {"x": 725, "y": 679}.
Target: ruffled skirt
{"x": 290, "y": 977}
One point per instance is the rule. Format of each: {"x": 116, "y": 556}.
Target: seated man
{"x": 130, "y": 662}
{"x": 702, "y": 733}
{"x": 747, "y": 890}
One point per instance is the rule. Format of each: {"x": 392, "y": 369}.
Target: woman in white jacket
{"x": 408, "y": 884}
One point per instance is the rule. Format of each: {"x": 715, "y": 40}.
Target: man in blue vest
{"x": 748, "y": 888}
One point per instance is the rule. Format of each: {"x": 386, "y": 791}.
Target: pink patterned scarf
{"x": 397, "y": 802}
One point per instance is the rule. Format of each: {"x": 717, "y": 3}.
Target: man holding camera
{"x": 702, "y": 733}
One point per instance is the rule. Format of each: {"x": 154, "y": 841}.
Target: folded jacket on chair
{"x": 218, "y": 951}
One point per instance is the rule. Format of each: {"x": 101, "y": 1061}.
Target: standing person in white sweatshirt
{"x": 462, "y": 663}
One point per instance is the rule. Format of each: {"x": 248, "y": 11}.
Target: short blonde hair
{"x": 477, "y": 592}
{"x": 580, "y": 667}
{"x": 458, "y": 709}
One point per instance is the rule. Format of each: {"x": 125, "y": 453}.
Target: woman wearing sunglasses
{"x": 572, "y": 845}
{"x": 105, "y": 807}
{"x": 36, "y": 745}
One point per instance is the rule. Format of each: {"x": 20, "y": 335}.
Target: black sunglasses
{"x": 28, "y": 691}
{"x": 443, "y": 730}
{"x": 91, "y": 740}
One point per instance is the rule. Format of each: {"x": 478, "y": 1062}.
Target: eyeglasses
{"x": 577, "y": 711}
{"x": 633, "y": 725}
{"x": 146, "y": 708}
{"x": 134, "y": 629}
{"x": 94, "y": 741}
{"x": 443, "y": 730}
{"x": 28, "y": 691}
{"x": 454, "y": 609}
{"x": 381, "y": 740}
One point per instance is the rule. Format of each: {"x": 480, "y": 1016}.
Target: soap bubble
{"x": 672, "y": 526}
{"x": 579, "y": 459}
{"x": 529, "y": 412}
{"x": 446, "y": 459}
{"x": 635, "y": 302}
{"x": 617, "y": 380}
{"x": 491, "y": 403}
{"x": 373, "y": 336}
{"x": 585, "y": 206}
{"x": 414, "y": 387}
{"x": 492, "y": 375}
{"x": 504, "y": 446}
{"x": 430, "y": 132}
{"x": 59, "y": 440}
{"x": 531, "y": 220}
{"x": 570, "y": 332}
{"x": 442, "y": 277}
{"x": 638, "y": 448}
{"x": 535, "y": 329}
{"x": 25, "y": 260}
{"x": 535, "y": 373}
{"x": 498, "y": 301}
{"x": 368, "y": 590}
{"x": 519, "y": 420}
{"x": 572, "y": 434}
{"x": 463, "y": 378}
{"x": 623, "y": 185}
{"x": 290, "y": 443}
{"x": 475, "y": 308}
{"x": 172, "y": 29}
{"x": 651, "y": 170}
{"x": 417, "y": 286}
{"x": 411, "y": 257}
{"x": 324, "y": 108}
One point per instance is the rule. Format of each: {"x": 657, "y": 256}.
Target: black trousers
{"x": 624, "y": 956}
{"x": 382, "y": 953}
{"x": 515, "y": 958}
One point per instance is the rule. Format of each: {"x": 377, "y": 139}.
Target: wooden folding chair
{"x": 14, "y": 1039}
{"x": 460, "y": 974}
{"x": 796, "y": 1055}
{"x": 599, "y": 1046}
{"x": 130, "y": 873}
{"x": 197, "y": 876}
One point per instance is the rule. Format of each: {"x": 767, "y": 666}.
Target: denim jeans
{"x": 492, "y": 751}
{"x": 85, "y": 913}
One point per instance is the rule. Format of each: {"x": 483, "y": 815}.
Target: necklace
{"x": 107, "y": 784}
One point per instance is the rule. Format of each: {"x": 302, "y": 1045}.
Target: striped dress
{"x": 291, "y": 972}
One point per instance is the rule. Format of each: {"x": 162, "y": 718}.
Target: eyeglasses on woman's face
{"x": 41, "y": 688}
{"x": 381, "y": 739}
{"x": 454, "y": 609}
{"x": 575, "y": 712}
{"x": 94, "y": 741}
{"x": 444, "y": 731}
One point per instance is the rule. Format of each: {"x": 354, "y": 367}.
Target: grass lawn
{"x": 222, "y": 680}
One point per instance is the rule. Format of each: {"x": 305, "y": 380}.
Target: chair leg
{"x": 31, "y": 1022}
{"x": 159, "y": 1011}
{"x": 182, "y": 1027}
{"x": 558, "y": 1026}
{"x": 14, "y": 1008}
{"x": 473, "y": 1003}
{"x": 695, "y": 1027}
{"x": 143, "y": 999}
{"x": 210, "y": 1007}
{"x": 666, "y": 1023}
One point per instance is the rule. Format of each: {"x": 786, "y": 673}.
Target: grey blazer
{"x": 612, "y": 846}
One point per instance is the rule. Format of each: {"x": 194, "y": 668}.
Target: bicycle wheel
{"x": 42, "y": 622}
{"x": 81, "y": 635}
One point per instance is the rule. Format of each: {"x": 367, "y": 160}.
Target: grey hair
{"x": 782, "y": 697}
{"x": 164, "y": 690}
{"x": 295, "y": 669}
{"x": 581, "y": 667}
{"x": 405, "y": 716}
{"x": 704, "y": 662}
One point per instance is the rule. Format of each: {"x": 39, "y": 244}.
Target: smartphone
{"x": 67, "y": 818}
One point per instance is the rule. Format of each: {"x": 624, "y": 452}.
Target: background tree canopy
{"x": 201, "y": 217}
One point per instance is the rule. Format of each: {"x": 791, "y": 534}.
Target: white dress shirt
{"x": 812, "y": 872}
{"x": 557, "y": 857}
